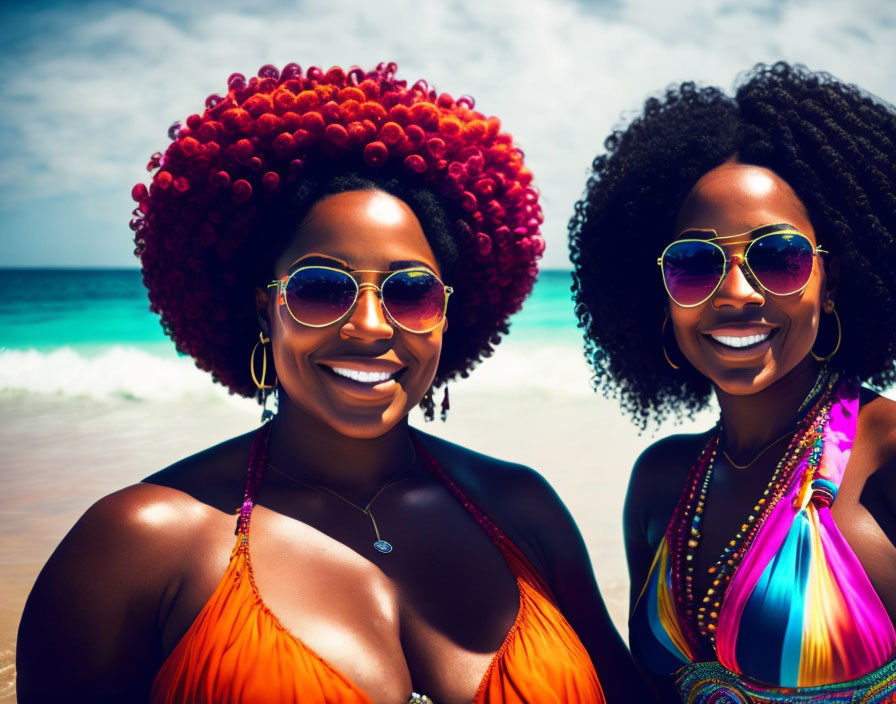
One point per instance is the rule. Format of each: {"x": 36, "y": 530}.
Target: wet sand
{"x": 61, "y": 454}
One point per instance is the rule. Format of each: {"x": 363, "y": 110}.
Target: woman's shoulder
{"x": 484, "y": 477}
{"x": 876, "y": 432}
{"x": 516, "y": 497}
{"x": 657, "y": 479}
{"x": 124, "y": 562}
{"x": 667, "y": 460}
{"x": 160, "y": 521}
{"x": 877, "y": 415}
{"x": 168, "y": 508}
{"x": 215, "y": 476}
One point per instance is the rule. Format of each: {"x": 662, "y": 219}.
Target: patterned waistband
{"x": 711, "y": 683}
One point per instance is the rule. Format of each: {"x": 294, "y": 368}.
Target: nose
{"x": 736, "y": 289}
{"x": 367, "y": 320}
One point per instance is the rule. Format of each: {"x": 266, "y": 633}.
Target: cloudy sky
{"x": 88, "y": 89}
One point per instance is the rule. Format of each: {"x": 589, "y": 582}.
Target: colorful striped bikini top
{"x": 799, "y": 610}
{"x": 237, "y": 651}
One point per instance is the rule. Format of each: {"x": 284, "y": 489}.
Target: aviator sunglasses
{"x": 413, "y": 299}
{"x": 778, "y": 257}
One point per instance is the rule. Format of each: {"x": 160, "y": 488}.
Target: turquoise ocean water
{"x": 86, "y": 309}
{"x": 89, "y": 331}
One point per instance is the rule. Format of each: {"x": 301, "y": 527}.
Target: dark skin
{"x": 142, "y": 563}
{"x": 759, "y": 393}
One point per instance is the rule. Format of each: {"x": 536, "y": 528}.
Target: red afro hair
{"x": 199, "y": 225}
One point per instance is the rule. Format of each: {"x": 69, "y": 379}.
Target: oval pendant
{"x": 383, "y": 546}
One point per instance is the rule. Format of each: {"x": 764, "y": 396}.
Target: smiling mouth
{"x": 363, "y": 377}
{"x": 742, "y": 342}
{"x": 366, "y": 378}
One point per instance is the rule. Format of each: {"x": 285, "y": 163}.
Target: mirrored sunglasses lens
{"x": 319, "y": 296}
{"x": 414, "y": 299}
{"x": 782, "y": 263}
{"x": 692, "y": 270}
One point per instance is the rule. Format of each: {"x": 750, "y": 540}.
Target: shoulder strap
{"x": 257, "y": 458}
{"x": 515, "y": 558}
{"x": 821, "y": 485}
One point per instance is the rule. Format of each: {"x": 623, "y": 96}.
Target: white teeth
{"x": 363, "y": 377}
{"x": 730, "y": 341}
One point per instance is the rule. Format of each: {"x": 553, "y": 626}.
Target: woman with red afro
{"x": 343, "y": 243}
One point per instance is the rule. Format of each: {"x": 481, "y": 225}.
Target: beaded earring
{"x": 428, "y": 406}
{"x": 445, "y": 405}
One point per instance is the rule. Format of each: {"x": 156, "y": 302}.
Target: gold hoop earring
{"x": 263, "y": 388}
{"x": 672, "y": 364}
{"x": 260, "y": 385}
{"x": 829, "y": 309}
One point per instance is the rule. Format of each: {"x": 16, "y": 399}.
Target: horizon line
{"x": 52, "y": 267}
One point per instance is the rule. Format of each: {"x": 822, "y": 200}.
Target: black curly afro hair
{"x": 836, "y": 147}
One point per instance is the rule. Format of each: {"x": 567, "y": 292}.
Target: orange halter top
{"x": 237, "y": 651}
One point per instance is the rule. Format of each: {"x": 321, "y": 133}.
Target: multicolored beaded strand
{"x": 257, "y": 457}
{"x": 688, "y": 515}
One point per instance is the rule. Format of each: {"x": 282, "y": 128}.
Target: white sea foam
{"x": 113, "y": 372}
{"x": 543, "y": 367}
{"x": 117, "y": 372}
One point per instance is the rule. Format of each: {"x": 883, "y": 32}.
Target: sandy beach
{"x": 61, "y": 453}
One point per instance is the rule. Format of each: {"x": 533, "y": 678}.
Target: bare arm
{"x": 638, "y": 550}
{"x": 657, "y": 481}
{"x": 571, "y": 578}
{"x": 90, "y": 629}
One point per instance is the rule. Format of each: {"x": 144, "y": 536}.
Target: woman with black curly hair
{"x": 345, "y": 243}
{"x": 744, "y": 248}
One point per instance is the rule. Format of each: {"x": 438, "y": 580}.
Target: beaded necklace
{"x": 820, "y": 381}
{"x": 684, "y": 529}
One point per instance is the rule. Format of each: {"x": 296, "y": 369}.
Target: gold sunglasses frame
{"x": 360, "y": 286}
{"x": 741, "y": 259}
